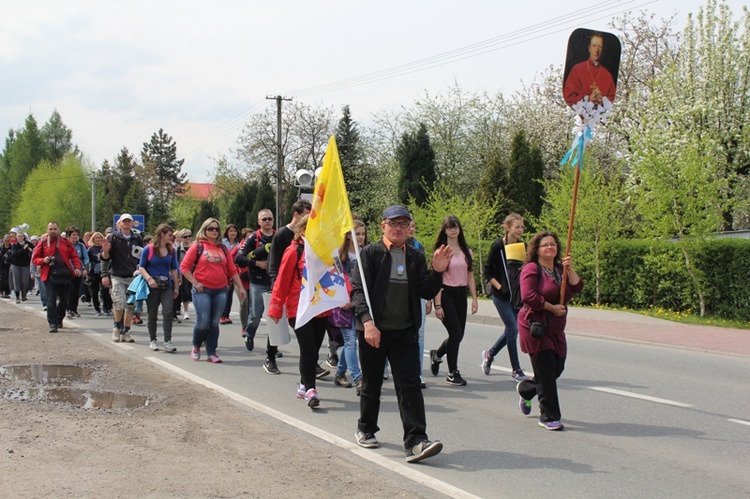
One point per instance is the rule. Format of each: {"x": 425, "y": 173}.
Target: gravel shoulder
{"x": 188, "y": 442}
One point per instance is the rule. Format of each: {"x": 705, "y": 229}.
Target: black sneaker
{"x": 332, "y": 361}
{"x": 249, "y": 343}
{"x": 436, "y": 361}
{"x": 270, "y": 366}
{"x": 53, "y": 329}
{"x": 320, "y": 372}
{"x": 366, "y": 439}
{"x": 455, "y": 379}
{"x": 423, "y": 450}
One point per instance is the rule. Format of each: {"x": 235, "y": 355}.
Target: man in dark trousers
{"x": 396, "y": 277}
{"x": 59, "y": 264}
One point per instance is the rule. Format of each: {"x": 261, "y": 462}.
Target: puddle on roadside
{"x": 57, "y": 374}
{"x": 80, "y": 397}
{"x": 47, "y": 379}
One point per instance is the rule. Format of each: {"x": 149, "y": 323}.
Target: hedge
{"x": 651, "y": 273}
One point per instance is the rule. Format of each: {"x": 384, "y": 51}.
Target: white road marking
{"x": 739, "y": 421}
{"x": 639, "y": 396}
{"x": 373, "y": 456}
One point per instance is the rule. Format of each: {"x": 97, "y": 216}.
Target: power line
{"x": 604, "y": 10}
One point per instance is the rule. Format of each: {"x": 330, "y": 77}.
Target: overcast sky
{"x": 119, "y": 71}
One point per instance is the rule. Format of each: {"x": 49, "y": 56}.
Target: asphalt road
{"x": 641, "y": 420}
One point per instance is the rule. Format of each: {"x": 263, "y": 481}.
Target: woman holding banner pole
{"x": 286, "y": 291}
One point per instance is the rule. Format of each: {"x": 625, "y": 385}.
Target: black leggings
{"x": 454, "y": 303}
{"x": 310, "y": 337}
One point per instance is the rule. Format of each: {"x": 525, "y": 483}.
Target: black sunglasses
{"x": 267, "y": 219}
{"x": 212, "y": 229}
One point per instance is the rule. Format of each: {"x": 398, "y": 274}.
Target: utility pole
{"x": 93, "y": 201}
{"x": 278, "y": 100}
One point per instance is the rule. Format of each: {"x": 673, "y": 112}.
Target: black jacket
{"x": 376, "y": 272}
{"x": 254, "y": 250}
{"x": 506, "y": 272}
{"x": 124, "y": 255}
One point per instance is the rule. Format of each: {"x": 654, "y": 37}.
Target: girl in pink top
{"x": 450, "y": 302}
{"x": 209, "y": 269}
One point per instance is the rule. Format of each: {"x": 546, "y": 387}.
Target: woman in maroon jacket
{"x": 541, "y": 278}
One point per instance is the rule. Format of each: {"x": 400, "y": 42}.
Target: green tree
{"x": 206, "y": 209}
{"x": 476, "y": 220}
{"x": 162, "y": 171}
{"x": 20, "y": 158}
{"x": 136, "y": 201}
{"x": 602, "y": 214}
{"x": 59, "y": 192}
{"x": 357, "y": 173}
{"x": 525, "y": 174}
{"x": 116, "y": 181}
{"x": 264, "y": 199}
{"x": 416, "y": 160}
{"x": 240, "y": 210}
{"x": 57, "y": 138}
{"x": 494, "y": 189}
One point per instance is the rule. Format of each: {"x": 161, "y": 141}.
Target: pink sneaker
{"x": 195, "y": 354}
{"x": 214, "y": 359}
{"x": 301, "y": 391}
{"x": 312, "y": 398}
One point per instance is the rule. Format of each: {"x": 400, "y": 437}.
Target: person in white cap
{"x": 120, "y": 255}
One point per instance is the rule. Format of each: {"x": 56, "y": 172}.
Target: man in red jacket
{"x": 59, "y": 264}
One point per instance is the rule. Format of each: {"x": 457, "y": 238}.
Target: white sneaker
{"x": 168, "y": 347}
{"x": 153, "y": 346}
{"x": 116, "y": 335}
{"x": 186, "y": 316}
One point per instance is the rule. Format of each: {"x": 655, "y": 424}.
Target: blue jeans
{"x": 256, "y": 308}
{"x": 208, "y": 308}
{"x": 348, "y": 358}
{"x": 510, "y": 335}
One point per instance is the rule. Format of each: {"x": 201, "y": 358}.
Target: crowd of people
{"x": 379, "y": 332}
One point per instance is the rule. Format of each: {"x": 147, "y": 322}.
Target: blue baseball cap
{"x": 396, "y": 211}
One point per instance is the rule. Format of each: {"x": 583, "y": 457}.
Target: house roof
{"x": 199, "y": 191}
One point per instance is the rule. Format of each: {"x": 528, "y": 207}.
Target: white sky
{"x": 119, "y": 71}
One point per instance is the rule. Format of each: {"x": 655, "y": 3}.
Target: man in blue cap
{"x": 396, "y": 277}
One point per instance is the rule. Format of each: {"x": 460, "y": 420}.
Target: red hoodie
{"x": 214, "y": 269}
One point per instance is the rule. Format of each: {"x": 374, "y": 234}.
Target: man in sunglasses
{"x": 396, "y": 277}
{"x": 254, "y": 255}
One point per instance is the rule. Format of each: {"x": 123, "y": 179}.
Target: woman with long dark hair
{"x": 348, "y": 358}
{"x": 231, "y": 241}
{"x": 158, "y": 266}
{"x": 450, "y": 302}
{"x": 541, "y": 279}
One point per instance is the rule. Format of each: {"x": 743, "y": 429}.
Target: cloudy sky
{"x": 119, "y": 71}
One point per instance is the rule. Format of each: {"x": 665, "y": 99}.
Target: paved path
{"x": 635, "y": 327}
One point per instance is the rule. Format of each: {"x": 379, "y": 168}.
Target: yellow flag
{"x": 330, "y": 218}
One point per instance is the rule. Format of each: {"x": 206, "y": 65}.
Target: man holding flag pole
{"x": 395, "y": 275}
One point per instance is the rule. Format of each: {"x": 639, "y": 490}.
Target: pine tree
{"x": 161, "y": 170}
{"x": 57, "y": 138}
{"x": 356, "y": 172}
{"x": 416, "y": 160}
{"x": 24, "y": 150}
{"x": 241, "y": 207}
{"x": 525, "y": 175}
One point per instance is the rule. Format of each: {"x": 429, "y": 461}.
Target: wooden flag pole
{"x": 570, "y": 222}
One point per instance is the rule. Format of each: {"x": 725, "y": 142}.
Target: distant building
{"x": 199, "y": 191}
